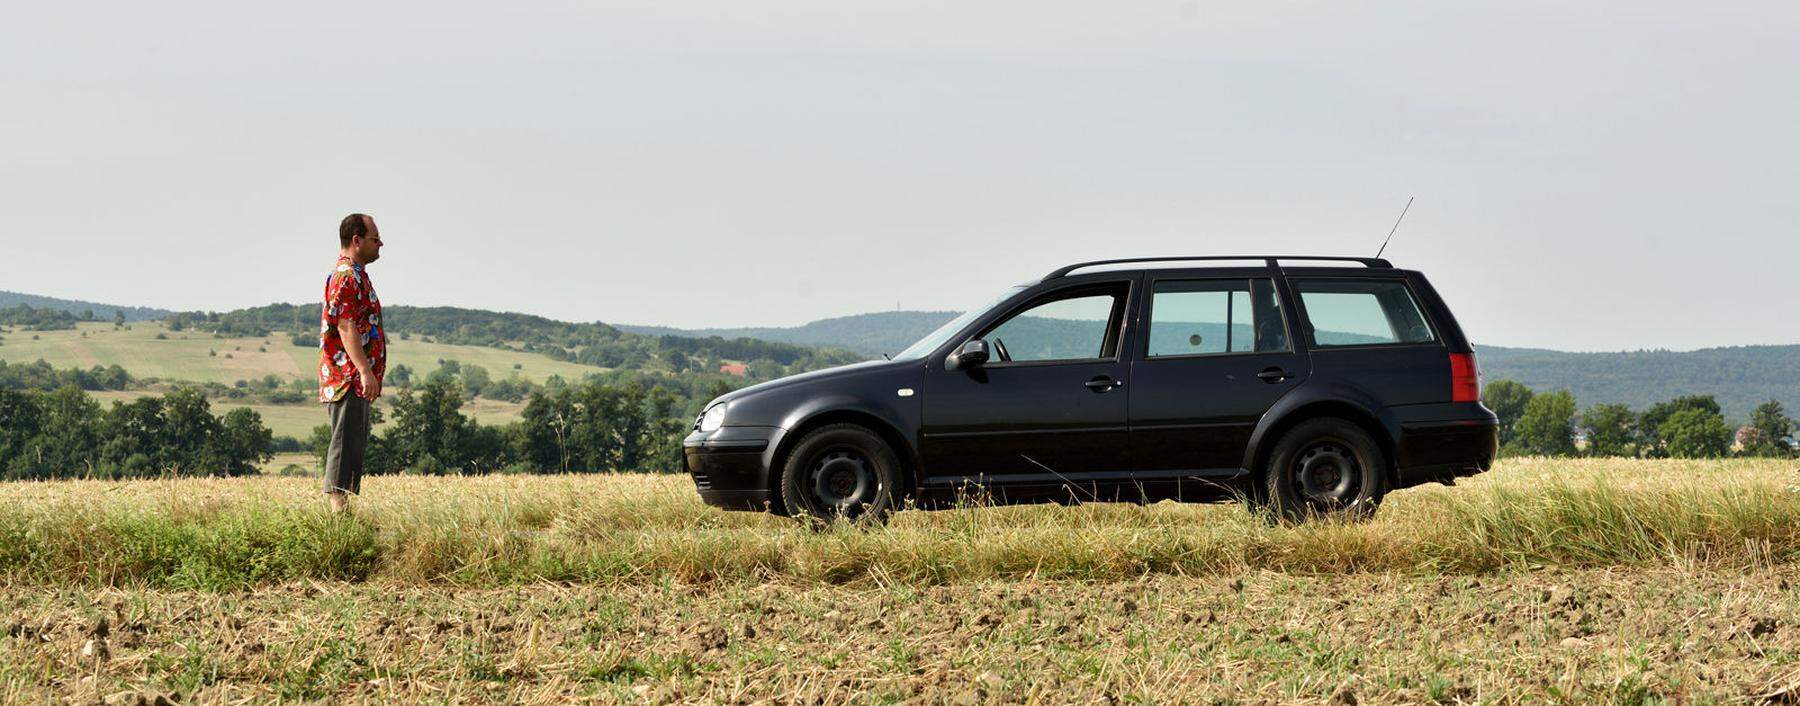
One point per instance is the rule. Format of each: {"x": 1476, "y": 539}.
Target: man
{"x": 352, "y": 356}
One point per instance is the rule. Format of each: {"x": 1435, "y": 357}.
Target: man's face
{"x": 368, "y": 247}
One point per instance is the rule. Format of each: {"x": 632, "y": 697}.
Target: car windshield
{"x": 943, "y": 333}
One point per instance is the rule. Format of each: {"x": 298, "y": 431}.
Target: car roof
{"x": 1270, "y": 261}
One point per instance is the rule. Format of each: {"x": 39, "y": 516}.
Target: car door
{"x": 1049, "y": 406}
{"x": 1216, "y": 354}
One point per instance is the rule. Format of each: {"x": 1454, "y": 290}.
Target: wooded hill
{"x": 76, "y": 307}
{"x": 585, "y": 343}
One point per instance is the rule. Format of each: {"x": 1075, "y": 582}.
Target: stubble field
{"x": 1546, "y": 580}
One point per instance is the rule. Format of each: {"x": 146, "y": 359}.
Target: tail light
{"x": 1465, "y": 378}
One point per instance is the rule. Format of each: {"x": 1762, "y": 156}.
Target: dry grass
{"x": 233, "y": 534}
{"x": 237, "y": 533}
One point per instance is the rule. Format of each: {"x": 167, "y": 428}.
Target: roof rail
{"x": 1273, "y": 261}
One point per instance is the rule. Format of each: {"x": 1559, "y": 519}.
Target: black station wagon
{"x": 1307, "y": 385}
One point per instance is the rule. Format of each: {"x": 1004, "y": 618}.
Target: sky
{"x": 1588, "y": 176}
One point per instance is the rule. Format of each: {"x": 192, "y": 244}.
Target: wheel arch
{"x": 903, "y": 450}
{"x": 1269, "y": 433}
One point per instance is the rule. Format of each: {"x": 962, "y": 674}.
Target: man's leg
{"x": 344, "y": 457}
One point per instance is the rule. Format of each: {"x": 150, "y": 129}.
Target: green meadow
{"x": 196, "y": 356}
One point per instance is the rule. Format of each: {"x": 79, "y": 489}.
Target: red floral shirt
{"x": 349, "y": 295}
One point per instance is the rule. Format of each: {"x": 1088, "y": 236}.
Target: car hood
{"x": 853, "y": 369}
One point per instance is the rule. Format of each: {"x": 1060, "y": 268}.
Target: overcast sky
{"x": 1590, "y": 176}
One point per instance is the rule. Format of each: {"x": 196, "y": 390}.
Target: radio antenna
{"x": 1396, "y": 227}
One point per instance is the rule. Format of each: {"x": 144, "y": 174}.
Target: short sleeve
{"x": 343, "y": 297}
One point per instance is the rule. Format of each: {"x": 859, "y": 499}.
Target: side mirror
{"x": 972, "y": 354}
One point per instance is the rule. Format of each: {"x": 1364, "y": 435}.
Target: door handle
{"x": 1274, "y": 375}
{"x": 1103, "y": 384}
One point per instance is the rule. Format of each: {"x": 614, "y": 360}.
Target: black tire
{"x": 841, "y": 471}
{"x": 1325, "y": 468}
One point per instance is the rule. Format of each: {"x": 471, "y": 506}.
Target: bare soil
{"x": 1598, "y": 635}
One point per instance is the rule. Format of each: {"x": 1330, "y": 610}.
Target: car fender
{"x": 1345, "y": 399}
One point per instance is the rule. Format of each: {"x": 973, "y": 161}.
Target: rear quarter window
{"x": 1361, "y": 312}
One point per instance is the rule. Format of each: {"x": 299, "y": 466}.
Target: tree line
{"x": 591, "y": 426}
{"x": 1689, "y": 426}
{"x": 42, "y": 376}
{"x": 64, "y": 433}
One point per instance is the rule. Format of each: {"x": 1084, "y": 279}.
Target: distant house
{"x": 738, "y": 369}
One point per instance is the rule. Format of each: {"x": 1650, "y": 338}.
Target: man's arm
{"x": 346, "y": 328}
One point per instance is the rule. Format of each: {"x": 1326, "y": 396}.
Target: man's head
{"x": 359, "y": 238}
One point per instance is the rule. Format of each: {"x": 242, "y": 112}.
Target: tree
{"x": 1547, "y": 427}
{"x": 1612, "y": 430}
{"x": 242, "y": 442}
{"x": 548, "y": 419}
{"x": 1657, "y": 416}
{"x": 428, "y": 424}
{"x": 1770, "y": 426}
{"x": 188, "y": 430}
{"x": 21, "y": 420}
{"x": 475, "y": 379}
{"x": 132, "y": 437}
{"x": 71, "y": 421}
{"x": 1694, "y": 433}
{"x": 1508, "y": 400}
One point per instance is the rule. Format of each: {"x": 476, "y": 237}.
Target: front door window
{"x": 1077, "y": 326}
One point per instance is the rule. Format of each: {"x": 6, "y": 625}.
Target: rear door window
{"x": 1213, "y": 317}
{"x": 1361, "y": 312}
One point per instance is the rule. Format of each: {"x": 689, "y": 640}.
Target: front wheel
{"x": 841, "y": 471}
{"x": 1327, "y": 468}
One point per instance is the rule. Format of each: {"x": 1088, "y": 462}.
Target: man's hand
{"x": 371, "y": 385}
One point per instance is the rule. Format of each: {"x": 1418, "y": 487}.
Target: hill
{"x": 869, "y": 334}
{"x": 1740, "y": 377}
{"x": 102, "y": 312}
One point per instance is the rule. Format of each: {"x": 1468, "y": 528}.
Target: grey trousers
{"x": 349, "y": 442}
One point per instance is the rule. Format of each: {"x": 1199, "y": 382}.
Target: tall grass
{"x": 230, "y": 534}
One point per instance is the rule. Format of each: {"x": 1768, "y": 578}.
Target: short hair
{"x": 351, "y": 227}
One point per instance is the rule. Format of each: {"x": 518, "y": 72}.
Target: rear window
{"x": 1361, "y": 312}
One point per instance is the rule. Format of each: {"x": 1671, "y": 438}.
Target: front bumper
{"x": 730, "y": 466}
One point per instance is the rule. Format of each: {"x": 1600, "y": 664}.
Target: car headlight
{"x": 713, "y": 419}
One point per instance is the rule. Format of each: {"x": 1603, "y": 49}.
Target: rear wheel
{"x": 1325, "y": 468}
{"x": 841, "y": 471}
